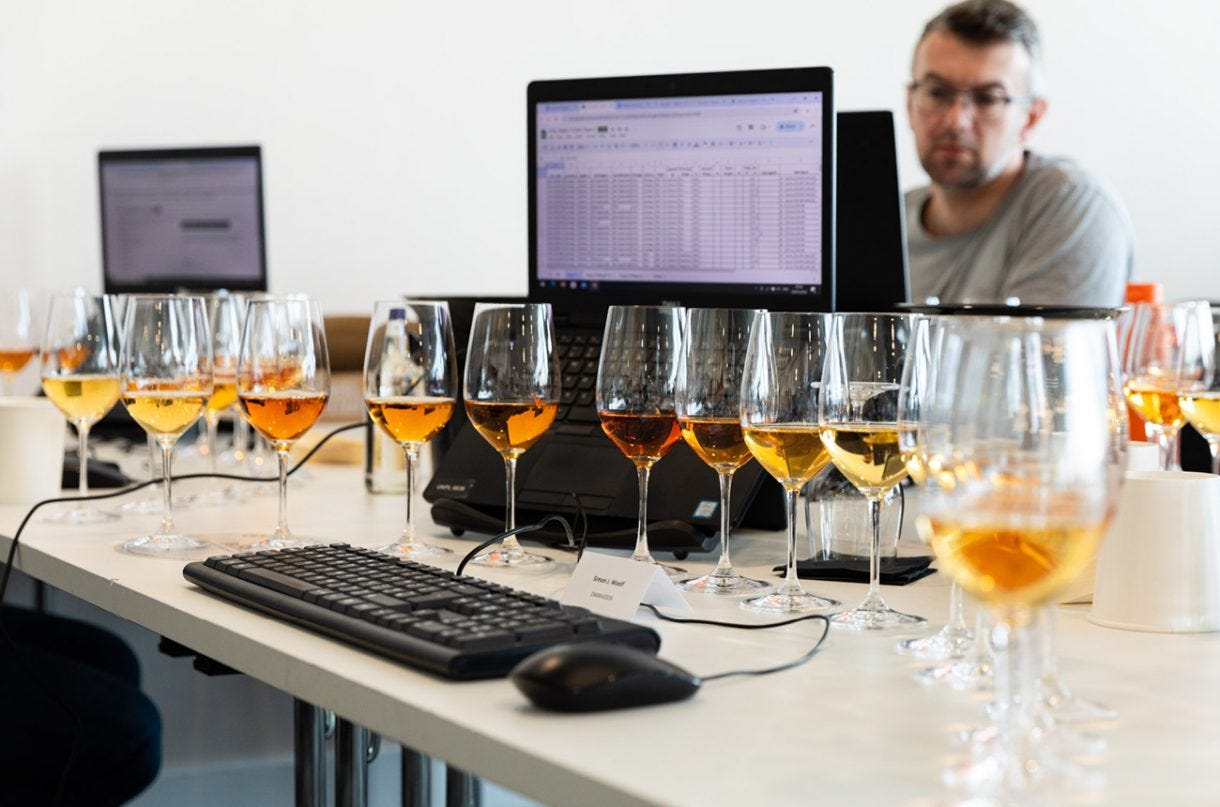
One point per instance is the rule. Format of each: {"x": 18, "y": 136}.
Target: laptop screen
{"x": 701, "y": 189}
{"x": 182, "y": 218}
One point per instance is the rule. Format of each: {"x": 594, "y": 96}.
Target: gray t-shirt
{"x": 1060, "y": 237}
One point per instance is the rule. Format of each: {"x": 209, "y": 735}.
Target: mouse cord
{"x": 753, "y": 626}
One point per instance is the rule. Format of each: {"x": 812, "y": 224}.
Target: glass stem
{"x": 1167, "y": 440}
{"x": 167, "y": 501}
{"x": 154, "y": 459}
{"x": 82, "y": 450}
{"x": 510, "y": 544}
{"x": 1013, "y": 687}
{"x": 724, "y": 567}
{"x": 1047, "y": 622}
{"x": 957, "y": 608}
{"x": 641, "y": 552}
{"x": 874, "y": 552}
{"x": 792, "y": 583}
{"x": 408, "y": 531}
{"x": 213, "y": 419}
{"x": 281, "y": 529}
{"x": 241, "y": 437}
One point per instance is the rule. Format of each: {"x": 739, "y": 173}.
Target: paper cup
{"x": 31, "y": 450}
{"x": 1159, "y": 566}
{"x": 1143, "y": 456}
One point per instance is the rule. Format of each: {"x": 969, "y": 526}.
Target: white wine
{"x": 1202, "y": 409}
{"x": 82, "y": 398}
{"x": 793, "y": 453}
{"x": 165, "y": 412}
{"x": 867, "y": 454}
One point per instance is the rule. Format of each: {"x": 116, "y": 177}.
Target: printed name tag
{"x": 615, "y": 587}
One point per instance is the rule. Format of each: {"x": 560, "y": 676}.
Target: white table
{"x": 850, "y": 727}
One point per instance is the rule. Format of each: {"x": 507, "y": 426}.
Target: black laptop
{"x": 701, "y": 190}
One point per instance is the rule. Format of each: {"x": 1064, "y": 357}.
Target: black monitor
{"x": 182, "y": 218}
{"x": 700, "y": 189}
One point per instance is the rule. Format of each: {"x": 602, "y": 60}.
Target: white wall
{"x": 394, "y": 131}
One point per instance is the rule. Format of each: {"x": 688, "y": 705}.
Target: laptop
{"x": 182, "y": 218}
{"x": 701, "y": 190}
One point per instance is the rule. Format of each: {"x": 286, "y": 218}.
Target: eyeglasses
{"x": 988, "y": 103}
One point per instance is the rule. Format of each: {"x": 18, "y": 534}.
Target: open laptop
{"x": 182, "y": 218}
{"x": 710, "y": 189}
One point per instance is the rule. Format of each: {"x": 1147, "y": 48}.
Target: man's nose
{"x": 960, "y": 112}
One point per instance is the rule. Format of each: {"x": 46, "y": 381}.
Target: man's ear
{"x": 1037, "y": 108}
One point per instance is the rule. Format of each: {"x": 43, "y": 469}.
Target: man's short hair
{"x": 986, "y": 22}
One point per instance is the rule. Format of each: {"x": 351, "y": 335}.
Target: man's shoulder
{"x": 1048, "y": 176}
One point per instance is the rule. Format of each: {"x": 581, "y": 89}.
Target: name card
{"x": 614, "y": 587}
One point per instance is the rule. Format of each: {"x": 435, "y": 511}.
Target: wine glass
{"x": 224, "y": 317}
{"x": 283, "y": 383}
{"x": 1155, "y": 343}
{"x": 18, "y": 337}
{"x": 637, "y": 377}
{"x": 953, "y": 641}
{"x": 1022, "y": 433}
{"x": 708, "y": 403}
{"x": 410, "y": 388}
{"x": 780, "y": 388}
{"x": 165, "y": 368}
{"x": 80, "y": 374}
{"x": 512, "y": 397}
{"x": 1199, "y": 380}
{"x": 858, "y": 414}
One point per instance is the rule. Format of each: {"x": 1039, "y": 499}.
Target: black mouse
{"x": 594, "y": 676}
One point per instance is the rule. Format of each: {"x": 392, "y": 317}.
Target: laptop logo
{"x": 454, "y": 488}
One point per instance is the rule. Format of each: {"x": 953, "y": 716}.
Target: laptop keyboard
{"x": 578, "y": 356}
{"x": 457, "y": 627}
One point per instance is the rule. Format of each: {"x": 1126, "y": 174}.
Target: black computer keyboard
{"x": 457, "y": 627}
{"x": 579, "y": 352}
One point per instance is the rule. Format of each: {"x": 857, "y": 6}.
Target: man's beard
{"x": 958, "y": 175}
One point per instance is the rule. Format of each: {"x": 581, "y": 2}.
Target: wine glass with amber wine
{"x": 283, "y": 383}
{"x": 18, "y": 338}
{"x": 780, "y": 389}
{"x": 165, "y": 373}
{"x": 858, "y": 413}
{"x": 1030, "y": 476}
{"x": 410, "y": 389}
{"x": 708, "y": 404}
{"x": 79, "y": 360}
{"x": 1199, "y": 379}
{"x": 512, "y": 396}
{"x": 637, "y": 378}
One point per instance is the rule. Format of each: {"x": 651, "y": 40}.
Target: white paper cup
{"x": 1143, "y": 456}
{"x": 31, "y": 450}
{"x": 1159, "y": 566}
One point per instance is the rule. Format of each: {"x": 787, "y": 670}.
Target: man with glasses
{"x": 999, "y": 223}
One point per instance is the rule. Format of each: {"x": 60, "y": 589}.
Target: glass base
{"x": 732, "y": 584}
{"x": 1064, "y": 707}
{"x": 513, "y": 557}
{"x": 84, "y": 514}
{"x": 781, "y": 602}
{"x": 174, "y": 546}
{"x": 970, "y": 674}
{"x": 414, "y": 550}
{"x": 675, "y": 573}
{"x": 146, "y": 506}
{"x": 1021, "y": 772}
{"x": 947, "y": 643}
{"x": 874, "y": 614}
{"x": 259, "y": 543}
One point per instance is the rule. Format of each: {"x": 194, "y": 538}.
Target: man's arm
{"x": 1073, "y": 244}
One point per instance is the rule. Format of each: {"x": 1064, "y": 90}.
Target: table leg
{"x": 462, "y": 789}
{"x": 309, "y": 755}
{"x": 416, "y": 779}
{"x": 351, "y": 764}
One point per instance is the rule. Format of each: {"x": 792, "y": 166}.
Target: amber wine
{"x": 224, "y": 394}
{"x": 1202, "y": 409}
{"x": 82, "y": 398}
{"x": 511, "y": 428}
{"x": 13, "y": 360}
{"x": 283, "y": 416}
{"x": 867, "y": 454}
{"x": 411, "y": 419}
{"x": 644, "y": 438}
{"x": 1157, "y": 406}
{"x": 718, "y": 441}
{"x": 1012, "y": 564}
{"x": 793, "y": 453}
{"x": 165, "y": 412}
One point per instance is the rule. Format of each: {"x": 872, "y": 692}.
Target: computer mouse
{"x": 595, "y": 676}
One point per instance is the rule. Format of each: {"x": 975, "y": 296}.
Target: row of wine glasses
{"x": 166, "y": 375}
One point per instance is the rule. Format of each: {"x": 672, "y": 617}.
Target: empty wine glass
{"x": 858, "y": 414}
{"x": 1028, "y": 483}
{"x": 780, "y": 388}
{"x": 80, "y": 374}
{"x": 18, "y": 336}
{"x": 637, "y": 377}
{"x": 954, "y": 639}
{"x": 512, "y": 397}
{"x": 166, "y": 378}
{"x": 283, "y": 383}
{"x": 410, "y": 388}
{"x": 708, "y": 403}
